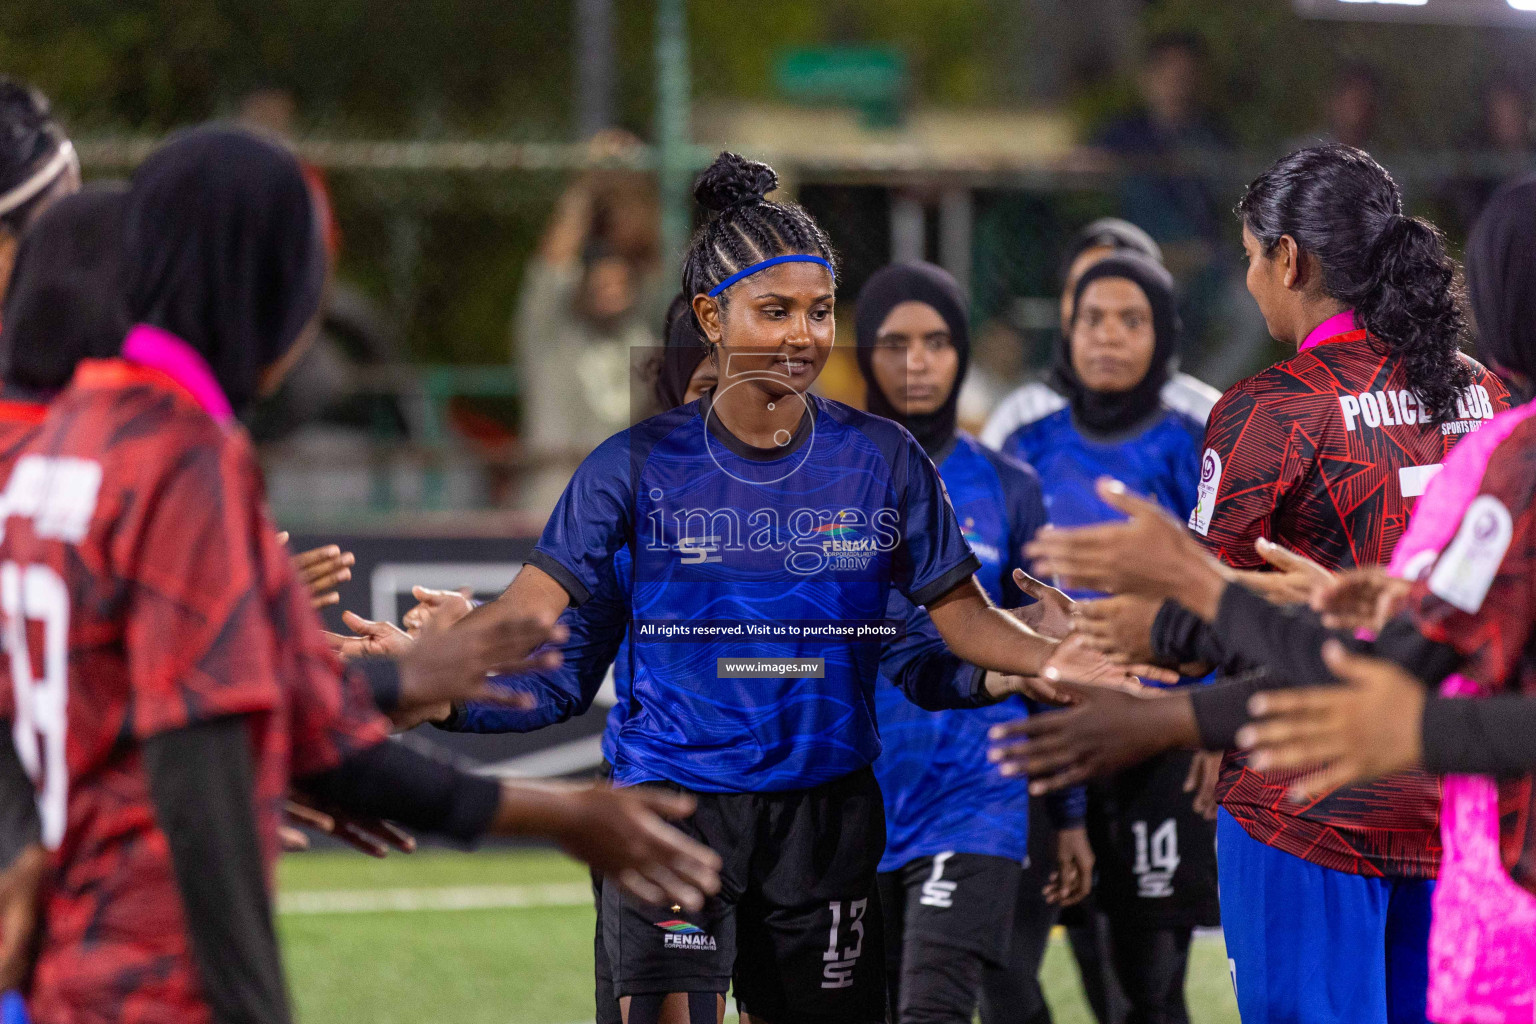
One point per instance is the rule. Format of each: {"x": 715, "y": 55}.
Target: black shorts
{"x": 796, "y": 927}
{"x": 1156, "y": 857}
{"x": 962, "y": 900}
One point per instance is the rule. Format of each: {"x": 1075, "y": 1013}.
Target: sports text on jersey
{"x": 1401, "y": 408}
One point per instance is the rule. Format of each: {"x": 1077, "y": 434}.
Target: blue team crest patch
{"x": 984, "y": 551}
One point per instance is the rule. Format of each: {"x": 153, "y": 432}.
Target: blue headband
{"x": 754, "y": 268}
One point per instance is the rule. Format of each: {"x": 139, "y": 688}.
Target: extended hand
{"x": 1051, "y": 614}
{"x": 372, "y": 836}
{"x": 322, "y": 570}
{"x": 1105, "y": 730}
{"x": 1367, "y": 728}
{"x": 370, "y": 639}
{"x": 621, "y": 833}
{"x": 441, "y": 607}
{"x": 1361, "y": 599}
{"x": 1204, "y": 771}
{"x": 1073, "y": 878}
{"x": 1119, "y": 627}
{"x": 1296, "y": 577}
{"x": 447, "y": 664}
{"x": 1150, "y": 553}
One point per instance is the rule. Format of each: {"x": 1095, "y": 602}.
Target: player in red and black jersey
{"x": 1326, "y": 453}
{"x": 169, "y": 675}
{"x": 68, "y": 262}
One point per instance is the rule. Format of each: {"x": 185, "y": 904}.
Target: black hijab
{"x": 65, "y": 302}
{"x": 1501, "y": 281}
{"x": 225, "y": 251}
{"x": 1116, "y": 412}
{"x": 683, "y": 348}
{"x": 888, "y": 288}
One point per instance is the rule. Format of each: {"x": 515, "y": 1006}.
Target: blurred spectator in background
{"x": 1501, "y": 143}
{"x": 271, "y": 111}
{"x": 1176, "y": 205}
{"x": 325, "y": 402}
{"x": 591, "y": 294}
{"x": 1353, "y": 107}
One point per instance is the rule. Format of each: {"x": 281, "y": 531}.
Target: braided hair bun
{"x": 733, "y": 181}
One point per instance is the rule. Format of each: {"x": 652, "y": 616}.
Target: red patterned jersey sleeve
{"x": 1480, "y": 595}
{"x": 197, "y": 637}
{"x": 1245, "y": 473}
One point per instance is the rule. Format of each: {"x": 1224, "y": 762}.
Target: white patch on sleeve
{"x": 1210, "y": 486}
{"x": 1467, "y": 568}
{"x": 1413, "y": 480}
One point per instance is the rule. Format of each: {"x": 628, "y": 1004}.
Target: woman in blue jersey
{"x": 1155, "y": 853}
{"x": 956, "y": 831}
{"x": 767, "y": 529}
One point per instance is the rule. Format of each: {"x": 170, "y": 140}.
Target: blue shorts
{"x": 1310, "y": 945}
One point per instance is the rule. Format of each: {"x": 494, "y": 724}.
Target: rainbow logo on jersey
{"x": 679, "y": 927}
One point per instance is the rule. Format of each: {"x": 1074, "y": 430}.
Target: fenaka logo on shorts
{"x": 682, "y": 935}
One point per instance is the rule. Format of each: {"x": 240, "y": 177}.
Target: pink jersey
{"x": 1482, "y": 943}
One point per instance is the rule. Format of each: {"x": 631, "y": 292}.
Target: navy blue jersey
{"x": 740, "y": 553}
{"x": 941, "y": 793}
{"x": 916, "y": 662}
{"x": 1161, "y": 461}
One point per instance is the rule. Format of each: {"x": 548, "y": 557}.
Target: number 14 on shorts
{"x": 840, "y": 959}
{"x": 1156, "y": 860}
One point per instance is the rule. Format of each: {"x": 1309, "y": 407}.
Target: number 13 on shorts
{"x": 840, "y": 960}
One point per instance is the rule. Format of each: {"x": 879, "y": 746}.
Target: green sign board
{"x": 872, "y": 78}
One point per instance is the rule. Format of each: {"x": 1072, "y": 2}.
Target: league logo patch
{"x": 682, "y": 935}
{"x": 1471, "y": 562}
{"x": 1210, "y": 486}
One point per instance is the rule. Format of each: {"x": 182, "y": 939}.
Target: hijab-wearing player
{"x": 1037, "y": 399}
{"x": 956, "y": 832}
{"x": 169, "y": 676}
{"x": 766, "y": 528}
{"x": 1325, "y": 453}
{"x": 1155, "y": 851}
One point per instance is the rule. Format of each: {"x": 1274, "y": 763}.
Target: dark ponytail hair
{"x": 746, "y": 228}
{"x": 1344, "y": 208}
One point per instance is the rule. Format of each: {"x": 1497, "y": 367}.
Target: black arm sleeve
{"x": 19, "y": 827}
{"x": 383, "y": 678}
{"x": 390, "y": 780}
{"x": 202, "y": 784}
{"x": 1286, "y": 645}
{"x": 1486, "y": 736}
{"x": 1179, "y": 637}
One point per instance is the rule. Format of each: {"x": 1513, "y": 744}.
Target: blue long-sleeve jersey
{"x": 917, "y": 663}
{"x": 941, "y": 793}
{"x": 1160, "y": 460}
{"x": 752, "y": 553}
